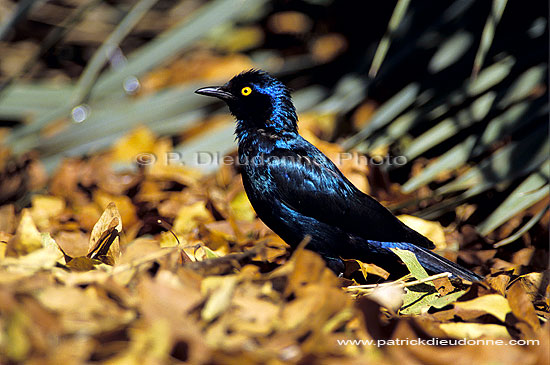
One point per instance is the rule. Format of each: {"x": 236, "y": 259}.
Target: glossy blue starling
{"x": 298, "y": 192}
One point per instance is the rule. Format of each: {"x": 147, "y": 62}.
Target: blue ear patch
{"x": 283, "y": 113}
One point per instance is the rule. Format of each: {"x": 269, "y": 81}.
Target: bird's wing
{"x": 310, "y": 184}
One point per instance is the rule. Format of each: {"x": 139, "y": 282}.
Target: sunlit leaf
{"x": 411, "y": 262}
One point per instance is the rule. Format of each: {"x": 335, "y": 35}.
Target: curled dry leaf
{"x": 521, "y": 306}
{"x": 105, "y": 237}
{"x": 366, "y": 269}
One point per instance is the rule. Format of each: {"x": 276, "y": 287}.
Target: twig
{"x": 400, "y": 282}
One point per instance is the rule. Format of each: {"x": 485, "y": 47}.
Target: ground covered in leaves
{"x": 161, "y": 264}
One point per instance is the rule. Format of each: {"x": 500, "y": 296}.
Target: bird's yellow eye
{"x": 246, "y": 91}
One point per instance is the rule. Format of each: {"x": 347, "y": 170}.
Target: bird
{"x": 299, "y": 192}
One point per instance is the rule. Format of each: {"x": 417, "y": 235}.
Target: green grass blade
{"x": 172, "y": 42}
{"x": 114, "y": 116}
{"x": 510, "y": 121}
{"x": 488, "y": 34}
{"x": 395, "y": 20}
{"x": 450, "y": 126}
{"x": 43, "y": 96}
{"x": 348, "y": 93}
{"x": 530, "y": 191}
{"x": 450, "y": 160}
{"x": 513, "y": 160}
{"x": 152, "y": 54}
{"x": 450, "y": 51}
{"x": 23, "y": 7}
{"x": 385, "y": 114}
{"x": 498, "y": 128}
{"x": 530, "y": 224}
{"x": 525, "y": 85}
{"x": 105, "y": 51}
{"x": 488, "y": 78}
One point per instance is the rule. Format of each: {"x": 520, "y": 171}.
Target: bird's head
{"x": 257, "y": 100}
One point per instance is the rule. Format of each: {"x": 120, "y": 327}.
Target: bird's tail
{"x": 431, "y": 261}
{"x": 437, "y": 264}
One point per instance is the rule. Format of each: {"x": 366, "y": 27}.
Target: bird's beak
{"x": 217, "y": 92}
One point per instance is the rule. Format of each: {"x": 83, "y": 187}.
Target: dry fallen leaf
{"x": 521, "y": 306}
{"x": 7, "y": 218}
{"x": 45, "y": 207}
{"x": 220, "y": 292}
{"x": 128, "y": 148}
{"x": 432, "y": 230}
{"x": 105, "y": 237}
{"x": 493, "y": 304}
{"x": 474, "y": 330}
{"x": 27, "y": 237}
{"x": 189, "y": 215}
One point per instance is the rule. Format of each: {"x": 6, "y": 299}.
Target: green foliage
{"x": 490, "y": 132}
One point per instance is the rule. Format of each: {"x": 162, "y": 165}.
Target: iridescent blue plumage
{"x": 297, "y": 191}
